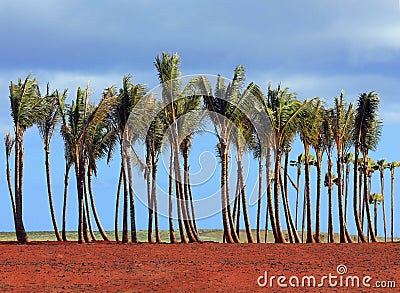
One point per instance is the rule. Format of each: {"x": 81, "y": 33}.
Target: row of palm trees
{"x": 243, "y": 117}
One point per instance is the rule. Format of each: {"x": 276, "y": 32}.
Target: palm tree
{"x": 46, "y": 128}
{"x": 308, "y": 126}
{"x": 328, "y": 141}
{"x": 343, "y": 117}
{"x": 27, "y": 107}
{"x": 168, "y": 68}
{"x": 282, "y": 109}
{"x": 382, "y": 165}
{"x": 392, "y": 166}
{"x": 367, "y": 130}
{"x": 80, "y": 123}
{"x": 128, "y": 97}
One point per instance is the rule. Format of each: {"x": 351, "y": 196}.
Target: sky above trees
{"x": 316, "y": 48}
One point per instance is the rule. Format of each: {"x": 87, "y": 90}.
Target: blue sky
{"x": 316, "y": 48}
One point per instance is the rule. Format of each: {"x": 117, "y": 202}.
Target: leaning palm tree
{"x": 80, "y": 123}
{"x": 46, "y": 128}
{"x": 367, "y": 131}
{"x": 27, "y": 107}
{"x": 9, "y": 146}
{"x": 392, "y": 167}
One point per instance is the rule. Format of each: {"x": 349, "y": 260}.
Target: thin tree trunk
{"x": 250, "y": 238}
{"x": 131, "y": 200}
{"x": 172, "y": 237}
{"x": 366, "y": 193}
{"x": 318, "y": 203}
{"x": 280, "y": 237}
{"x": 235, "y": 235}
{"x": 331, "y": 236}
{"x": 236, "y": 206}
{"x": 355, "y": 197}
{"x": 225, "y": 221}
{"x": 340, "y": 199}
{"x": 116, "y": 229}
{"x": 284, "y": 190}
{"x": 298, "y": 193}
{"x": 392, "y": 203}
{"x": 9, "y": 184}
{"x": 310, "y": 238}
{"x": 87, "y": 210}
{"x": 383, "y": 204}
{"x": 125, "y": 238}
{"x": 64, "y": 214}
{"x": 79, "y": 185}
{"x": 260, "y": 170}
{"x": 49, "y": 191}
{"x": 294, "y": 234}
{"x": 94, "y": 210}
{"x": 376, "y": 217}
{"x": 154, "y": 196}
{"x": 150, "y": 238}
{"x": 270, "y": 207}
{"x": 22, "y": 237}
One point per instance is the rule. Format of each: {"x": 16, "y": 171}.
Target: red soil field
{"x": 207, "y": 267}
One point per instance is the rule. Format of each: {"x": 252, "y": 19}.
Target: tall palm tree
{"x": 283, "y": 110}
{"x": 382, "y": 165}
{"x": 298, "y": 164}
{"x": 328, "y": 141}
{"x": 392, "y": 167}
{"x": 128, "y": 97}
{"x": 367, "y": 130}
{"x": 343, "y": 117}
{"x": 46, "y": 128}
{"x": 168, "y": 68}
{"x": 80, "y": 123}
{"x": 27, "y": 107}
{"x": 308, "y": 126}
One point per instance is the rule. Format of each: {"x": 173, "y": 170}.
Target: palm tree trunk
{"x": 260, "y": 170}
{"x": 64, "y": 215}
{"x": 188, "y": 200}
{"x": 94, "y": 210}
{"x": 9, "y": 184}
{"x": 346, "y": 191}
{"x": 225, "y": 221}
{"x": 244, "y": 200}
{"x": 79, "y": 186}
{"x": 154, "y": 196}
{"x": 340, "y": 199}
{"x": 19, "y": 225}
{"x": 116, "y": 229}
{"x": 87, "y": 209}
{"x": 331, "y": 236}
{"x": 192, "y": 204}
{"x": 280, "y": 237}
{"x": 361, "y": 236}
{"x": 294, "y": 236}
{"x": 236, "y": 206}
{"x": 310, "y": 238}
{"x": 392, "y": 203}
{"x": 269, "y": 205}
{"x": 383, "y": 203}
{"x": 318, "y": 203}
{"x": 131, "y": 200}
{"x": 375, "y": 217}
{"x": 235, "y": 235}
{"x": 298, "y": 193}
{"x": 366, "y": 193}
{"x": 125, "y": 238}
{"x": 49, "y": 191}
{"x": 284, "y": 190}
{"x": 172, "y": 237}
{"x": 150, "y": 238}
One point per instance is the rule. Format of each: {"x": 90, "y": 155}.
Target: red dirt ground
{"x": 208, "y": 267}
